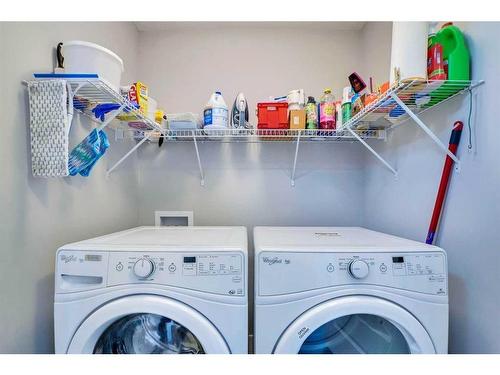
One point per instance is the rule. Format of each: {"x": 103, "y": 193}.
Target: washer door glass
{"x": 353, "y": 334}
{"x": 147, "y": 334}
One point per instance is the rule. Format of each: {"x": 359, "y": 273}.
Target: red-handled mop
{"x": 443, "y": 185}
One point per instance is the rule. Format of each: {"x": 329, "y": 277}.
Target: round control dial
{"x": 144, "y": 268}
{"x": 359, "y": 269}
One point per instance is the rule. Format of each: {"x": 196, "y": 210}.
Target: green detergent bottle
{"x": 456, "y": 58}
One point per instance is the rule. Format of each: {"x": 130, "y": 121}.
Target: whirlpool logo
{"x": 275, "y": 260}
{"x": 68, "y": 258}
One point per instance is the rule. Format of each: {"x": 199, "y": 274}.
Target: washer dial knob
{"x": 359, "y": 269}
{"x": 143, "y": 268}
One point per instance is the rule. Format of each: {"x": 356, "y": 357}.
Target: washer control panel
{"x": 213, "y": 272}
{"x": 282, "y": 272}
{"x": 220, "y": 273}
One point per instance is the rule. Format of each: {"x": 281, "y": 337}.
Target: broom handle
{"x": 445, "y": 177}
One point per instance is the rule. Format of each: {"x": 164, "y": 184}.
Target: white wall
{"x": 38, "y": 215}
{"x": 469, "y": 223}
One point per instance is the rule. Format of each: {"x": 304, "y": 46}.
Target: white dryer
{"x": 348, "y": 290}
{"x": 154, "y": 290}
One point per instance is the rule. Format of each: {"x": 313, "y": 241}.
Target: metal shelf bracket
{"x": 146, "y": 137}
{"x": 375, "y": 153}
{"x": 202, "y": 176}
{"x": 292, "y": 180}
{"x": 428, "y": 131}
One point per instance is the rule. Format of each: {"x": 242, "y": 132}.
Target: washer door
{"x": 147, "y": 324}
{"x": 352, "y": 325}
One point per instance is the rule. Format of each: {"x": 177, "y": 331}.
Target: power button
{"x": 330, "y": 267}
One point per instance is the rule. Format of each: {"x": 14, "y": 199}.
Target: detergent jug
{"x": 456, "y": 59}
{"x": 215, "y": 114}
{"x": 455, "y": 53}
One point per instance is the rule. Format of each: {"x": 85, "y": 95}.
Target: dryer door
{"x": 356, "y": 324}
{"x": 147, "y": 324}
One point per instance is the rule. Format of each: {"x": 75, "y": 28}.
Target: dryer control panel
{"x": 213, "y": 272}
{"x": 290, "y": 272}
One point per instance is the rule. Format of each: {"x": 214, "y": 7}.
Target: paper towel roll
{"x": 409, "y": 50}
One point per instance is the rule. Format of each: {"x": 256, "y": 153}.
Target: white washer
{"x": 154, "y": 290}
{"x": 348, "y": 290}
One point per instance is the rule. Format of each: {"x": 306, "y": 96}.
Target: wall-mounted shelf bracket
{"x": 202, "y": 176}
{"x": 375, "y": 153}
{"x": 146, "y": 137}
{"x": 292, "y": 179}
{"x": 428, "y": 131}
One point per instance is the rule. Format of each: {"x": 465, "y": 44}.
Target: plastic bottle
{"x": 327, "y": 110}
{"x": 455, "y": 52}
{"x": 215, "y": 114}
{"x": 311, "y": 113}
{"x": 456, "y": 60}
{"x": 346, "y": 104}
{"x": 338, "y": 114}
{"x": 435, "y": 62}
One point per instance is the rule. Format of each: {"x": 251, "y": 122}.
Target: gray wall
{"x": 469, "y": 226}
{"x": 38, "y": 215}
{"x": 250, "y": 184}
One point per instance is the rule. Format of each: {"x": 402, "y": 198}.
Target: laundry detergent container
{"x": 87, "y": 57}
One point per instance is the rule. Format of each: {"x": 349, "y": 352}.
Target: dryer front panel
{"x": 355, "y": 325}
{"x": 282, "y": 273}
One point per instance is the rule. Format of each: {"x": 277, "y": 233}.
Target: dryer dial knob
{"x": 359, "y": 269}
{"x": 144, "y": 268}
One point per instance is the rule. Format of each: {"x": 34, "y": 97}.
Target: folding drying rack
{"x": 88, "y": 90}
{"x": 397, "y": 105}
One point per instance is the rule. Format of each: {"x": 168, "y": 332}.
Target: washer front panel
{"x": 290, "y": 272}
{"x": 94, "y": 326}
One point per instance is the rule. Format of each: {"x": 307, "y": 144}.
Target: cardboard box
{"x": 137, "y": 94}
{"x": 297, "y": 119}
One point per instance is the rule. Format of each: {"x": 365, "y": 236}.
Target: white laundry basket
{"x": 87, "y": 57}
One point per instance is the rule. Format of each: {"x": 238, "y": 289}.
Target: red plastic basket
{"x": 272, "y": 115}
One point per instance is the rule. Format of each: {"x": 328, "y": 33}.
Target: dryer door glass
{"x": 147, "y": 334}
{"x": 358, "y": 333}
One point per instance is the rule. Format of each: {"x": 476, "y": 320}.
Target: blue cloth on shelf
{"x": 84, "y": 156}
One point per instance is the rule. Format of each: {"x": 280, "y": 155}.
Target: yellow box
{"x": 137, "y": 94}
{"x": 297, "y": 119}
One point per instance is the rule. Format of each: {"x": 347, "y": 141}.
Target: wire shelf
{"x": 90, "y": 92}
{"x": 259, "y": 135}
{"x": 417, "y": 95}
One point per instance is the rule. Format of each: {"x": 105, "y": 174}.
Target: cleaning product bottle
{"x": 311, "y": 113}
{"x": 435, "y": 62}
{"x": 456, "y": 61}
{"x": 455, "y": 53}
{"x": 338, "y": 114}
{"x": 327, "y": 110}
{"x": 215, "y": 115}
{"x": 346, "y": 104}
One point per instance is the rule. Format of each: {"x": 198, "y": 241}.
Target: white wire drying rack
{"x": 86, "y": 93}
